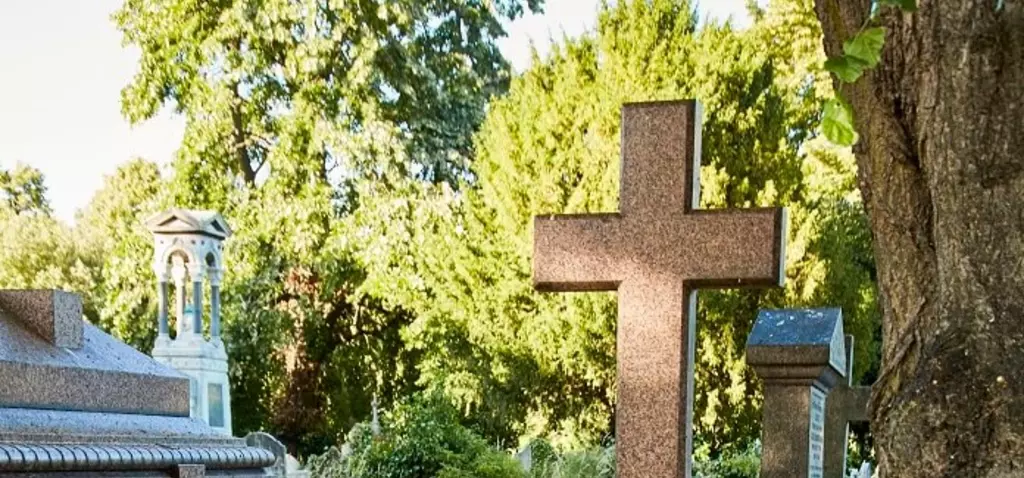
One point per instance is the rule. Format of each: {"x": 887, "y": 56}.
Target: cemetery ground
{"x": 670, "y": 247}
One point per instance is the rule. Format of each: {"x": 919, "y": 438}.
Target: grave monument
{"x": 188, "y": 249}
{"x": 800, "y": 356}
{"x": 75, "y": 402}
{"x": 656, "y": 253}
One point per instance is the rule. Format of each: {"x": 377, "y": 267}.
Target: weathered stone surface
{"x": 656, "y": 252}
{"x": 794, "y": 353}
{"x": 103, "y": 409}
{"x": 55, "y": 315}
{"x": 101, "y": 375}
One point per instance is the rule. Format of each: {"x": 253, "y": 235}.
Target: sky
{"x": 62, "y": 67}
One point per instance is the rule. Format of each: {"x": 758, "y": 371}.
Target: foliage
{"x": 594, "y": 462}
{"x": 39, "y": 251}
{"x": 746, "y": 463}
{"x": 420, "y": 438}
{"x": 524, "y": 364}
{"x": 22, "y": 190}
{"x": 111, "y": 229}
{"x": 292, "y": 106}
{"x": 860, "y": 53}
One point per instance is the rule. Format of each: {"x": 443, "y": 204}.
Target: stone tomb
{"x": 76, "y": 402}
{"x": 656, "y": 253}
{"x": 800, "y": 356}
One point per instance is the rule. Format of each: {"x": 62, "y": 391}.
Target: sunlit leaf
{"x": 846, "y": 68}
{"x": 837, "y": 123}
{"x": 866, "y": 46}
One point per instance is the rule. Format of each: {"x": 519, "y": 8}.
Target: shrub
{"x": 422, "y": 438}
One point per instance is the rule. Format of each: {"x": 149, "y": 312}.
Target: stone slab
{"x": 53, "y": 314}
{"x": 102, "y": 375}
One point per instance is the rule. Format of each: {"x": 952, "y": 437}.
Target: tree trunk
{"x": 941, "y": 169}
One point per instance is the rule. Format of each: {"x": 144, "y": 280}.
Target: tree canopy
{"x": 380, "y": 166}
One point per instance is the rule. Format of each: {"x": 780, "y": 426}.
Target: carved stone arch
{"x": 176, "y": 247}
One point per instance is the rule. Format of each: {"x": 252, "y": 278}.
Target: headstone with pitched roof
{"x": 656, "y": 253}
{"x": 77, "y": 402}
{"x": 800, "y": 356}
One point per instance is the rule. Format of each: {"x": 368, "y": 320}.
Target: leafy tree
{"x": 22, "y": 190}
{"x": 111, "y": 229}
{"x": 39, "y": 253}
{"x": 524, "y": 363}
{"x": 940, "y": 171}
{"x": 291, "y": 106}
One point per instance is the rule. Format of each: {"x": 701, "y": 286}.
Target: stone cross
{"x": 656, "y": 252}
{"x": 846, "y": 404}
{"x": 799, "y": 355}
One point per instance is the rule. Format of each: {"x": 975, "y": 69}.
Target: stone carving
{"x": 79, "y": 402}
{"x": 656, "y": 253}
{"x": 188, "y": 249}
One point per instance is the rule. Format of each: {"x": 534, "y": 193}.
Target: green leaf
{"x": 846, "y": 68}
{"x": 837, "y": 122}
{"x": 905, "y": 5}
{"x": 866, "y": 46}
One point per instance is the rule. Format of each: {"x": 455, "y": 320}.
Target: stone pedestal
{"x": 800, "y": 356}
{"x": 206, "y": 365}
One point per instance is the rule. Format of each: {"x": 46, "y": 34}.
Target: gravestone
{"x": 285, "y": 465}
{"x": 800, "y": 356}
{"x": 846, "y": 404}
{"x": 656, "y": 253}
{"x": 76, "y": 402}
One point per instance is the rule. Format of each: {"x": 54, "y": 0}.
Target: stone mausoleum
{"x": 188, "y": 253}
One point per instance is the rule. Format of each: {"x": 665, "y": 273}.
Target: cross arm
{"x": 735, "y": 248}
{"x": 576, "y": 252}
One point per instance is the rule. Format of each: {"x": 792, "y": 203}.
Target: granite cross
{"x": 656, "y": 252}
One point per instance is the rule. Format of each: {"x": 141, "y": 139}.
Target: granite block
{"x": 53, "y": 314}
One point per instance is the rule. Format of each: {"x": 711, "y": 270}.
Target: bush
{"x": 598, "y": 462}
{"x": 422, "y": 438}
{"x": 746, "y": 463}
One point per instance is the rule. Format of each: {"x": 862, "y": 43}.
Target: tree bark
{"x": 941, "y": 169}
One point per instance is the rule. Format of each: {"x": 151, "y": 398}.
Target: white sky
{"x": 62, "y": 68}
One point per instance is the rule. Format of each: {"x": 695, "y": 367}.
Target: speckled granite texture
{"x": 55, "y": 315}
{"x": 99, "y": 408}
{"x": 102, "y": 375}
{"x": 656, "y": 252}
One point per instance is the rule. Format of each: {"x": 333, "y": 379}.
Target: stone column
{"x": 197, "y": 273}
{"x": 178, "y": 273}
{"x": 799, "y": 356}
{"x": 215, "y": 304}
{"x": 162, "y": 278}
